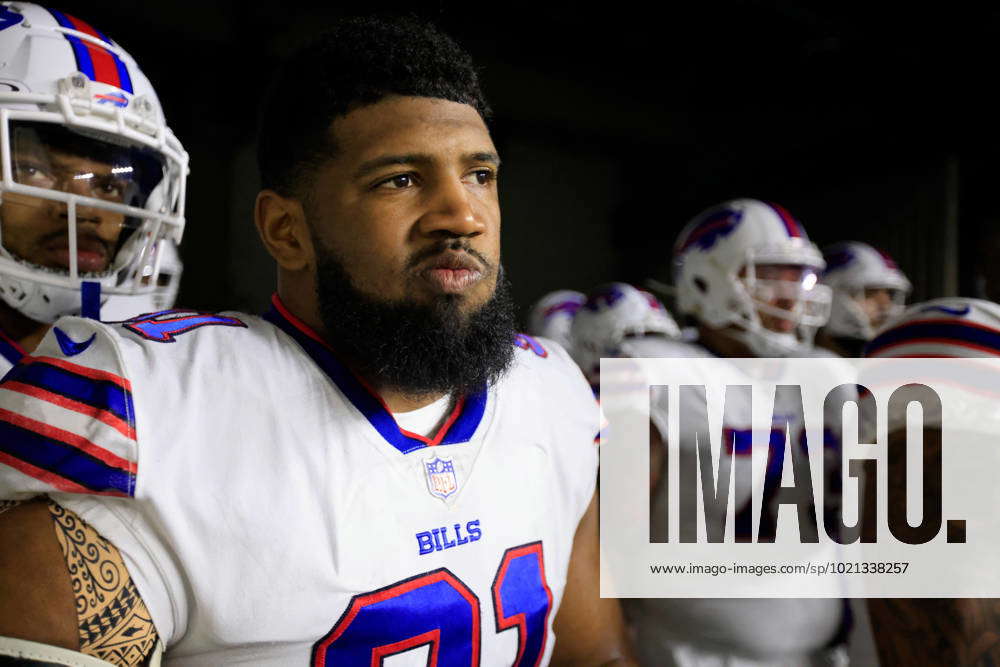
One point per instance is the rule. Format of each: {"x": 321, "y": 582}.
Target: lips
{"x": 451, "y": 272}
{"x": 91, "y": 254}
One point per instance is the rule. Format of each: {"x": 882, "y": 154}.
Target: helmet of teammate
{"x": 868, "y": 289}
{"x": 745, "y": 264}
{"x": 89, "y": 168}
{"x": 612, "y": 313}
{"x": 552, "y": 316}
{"x": 123, "y": 306}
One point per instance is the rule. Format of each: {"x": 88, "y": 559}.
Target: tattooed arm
{"x": 936, "y": 631}
{"x": 912, "y": 631}
{"x": 62, "y": 584}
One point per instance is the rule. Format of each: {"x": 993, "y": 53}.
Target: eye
{"x": 483, "y": 176}
{"x": 397, "y": 182}
{"x": 32, "y": 173}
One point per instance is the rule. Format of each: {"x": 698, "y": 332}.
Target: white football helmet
{"x": 70, "y": 97}
{"x": 851, "y": 268}
{"x": 552, "y": 315}
{"x": 718, "y": 259}
{"x": 612, "y": 313}
{"x": 120, "y": 307}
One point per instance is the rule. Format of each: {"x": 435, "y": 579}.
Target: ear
{"x": 281, "y": 223}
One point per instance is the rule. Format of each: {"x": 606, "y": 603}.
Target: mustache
{"x": 452, "y": 245}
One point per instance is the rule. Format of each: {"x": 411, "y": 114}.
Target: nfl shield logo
{"x": 441, "y": 480}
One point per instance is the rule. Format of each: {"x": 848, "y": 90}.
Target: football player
{"x": 95, "y": 180}
{"x": 868, "y": 290}
{"x": 612, "y": 314}
{"x": 375, "y": 470}
{"x": 953, "y": 631}
{"x": 747, "y": 274}
{"x": 552, "y": 316}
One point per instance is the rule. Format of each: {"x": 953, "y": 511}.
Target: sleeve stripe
{"x": 953, "y": 332}
{"x": 65, "y": 439}
{"x": 101, "y": 394}
{"x": 53, "y": 480}
{"x": 92, "y": 373}
{"x": 45, "y": 456}
{"x": 104, "y": 416}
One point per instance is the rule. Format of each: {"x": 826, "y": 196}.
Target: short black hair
{"x": 356, "y": 63}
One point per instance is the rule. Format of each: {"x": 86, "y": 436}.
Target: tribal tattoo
{"x": 114, "y": 623}
{"x": 8, "y": 505}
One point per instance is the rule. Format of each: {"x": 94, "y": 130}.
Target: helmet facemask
{"x": 782, "y": 306}
{"x": 80, "y": 206}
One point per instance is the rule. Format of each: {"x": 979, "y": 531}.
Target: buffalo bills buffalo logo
{"x": 714, "y": 226}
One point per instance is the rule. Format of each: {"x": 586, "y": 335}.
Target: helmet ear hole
{"x": 700, "y": 283}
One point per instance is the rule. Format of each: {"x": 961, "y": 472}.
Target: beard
{"x": 416, "y": 348}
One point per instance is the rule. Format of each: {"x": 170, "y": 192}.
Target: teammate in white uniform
{"x": 747, "y": 274}
{"x": 953, "y": 631}
{"x": 552, "y": 316}
{"x": 97, "y": 178}
{"x": 868, "y": 291}
{"x": 610, "y": 317}
{"x": 253, "y": 472}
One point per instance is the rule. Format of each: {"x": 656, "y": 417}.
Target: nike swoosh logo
{"x": 957, "y": 312}
{"x": 69, "y": 346}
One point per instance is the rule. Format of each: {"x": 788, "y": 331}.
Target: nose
{"x": 451, "y": 211}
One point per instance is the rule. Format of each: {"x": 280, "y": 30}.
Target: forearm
{"x": 936, "y": 631}
{"x": 64, "y": 585}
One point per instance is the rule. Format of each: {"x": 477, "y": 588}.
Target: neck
{"x": 845, "y": 347}
{"x": 401, "y": 402}
{"x": 721, "y": 343}
{"x": 306, "y": 310}
{"x": 26, "y": 332}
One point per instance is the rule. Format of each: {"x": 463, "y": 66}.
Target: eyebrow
{"x": 418, "y": 158}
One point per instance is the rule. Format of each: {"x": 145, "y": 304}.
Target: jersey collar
{"x": 458, "y": 428}
{"x": 10, "y": 350}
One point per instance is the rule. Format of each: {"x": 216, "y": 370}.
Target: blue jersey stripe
{"x": 461, "y": 430}
{"x": 100, "y": 394}
{"x": 919, "y": 331}
{"x": 63, "y": 460}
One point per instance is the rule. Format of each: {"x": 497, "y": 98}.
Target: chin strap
{"x": 33, "y": 654}
{"x": 90, "y": 300}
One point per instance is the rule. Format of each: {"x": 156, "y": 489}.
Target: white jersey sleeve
{"x": 68, "y": 418}
{"x": 950, "y": 327}
{"x": 944, "y": 328}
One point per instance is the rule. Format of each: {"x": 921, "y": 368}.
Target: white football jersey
{"x": 728, "y": 632}
{"x": 271, "y": 511}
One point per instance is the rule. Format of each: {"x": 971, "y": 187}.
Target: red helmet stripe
{"x": 791, "y": 224}
{"x": 105, "y": 70}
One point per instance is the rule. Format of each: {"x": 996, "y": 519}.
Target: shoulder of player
{"x": 135, "y": 347}
{"x": 529, "y": 349}
{"x": 662, "y": 347}
{"x": 545, "y": 361}
{"x": 952, "y": 326}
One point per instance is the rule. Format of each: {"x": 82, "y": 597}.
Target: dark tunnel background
{"x": 618, "y": 124}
